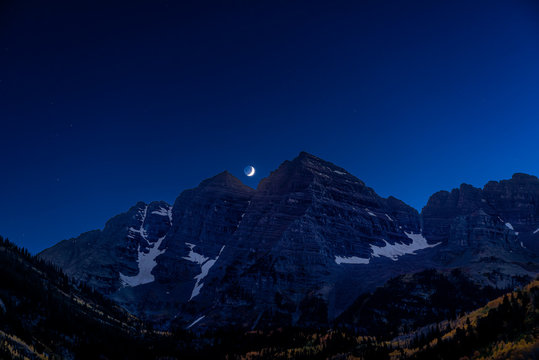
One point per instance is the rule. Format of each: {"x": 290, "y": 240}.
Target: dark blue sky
{"x": 104, "y": 105}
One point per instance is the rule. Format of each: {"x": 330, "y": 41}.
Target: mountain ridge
{"x": 299, "y": 248}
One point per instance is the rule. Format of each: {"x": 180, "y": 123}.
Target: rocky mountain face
{"x": 201, "y": 226}
{"x": 490, "y": 231}
{"x": 104, "y": 259}
{"x": 299, "y": 249}
{"x": 298, "y": 252}
{"x": 513, "y": 203}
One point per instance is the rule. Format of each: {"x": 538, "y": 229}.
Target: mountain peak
{"x": 305, "y": 157}
{"x": 316, "y": 165}
{"x": 223, "y": 180}
{"x": 522, "y": 177}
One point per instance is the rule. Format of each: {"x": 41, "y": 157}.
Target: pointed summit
{"x": 318, "y": 165}
{"x": 224, "y": 180}
{"x": 304, "y": 158}
{"x": 306, "y": 155}
{"x": 297, "y": 174}
{"x": 315, "y": 165}
{"x": 307, "y": 170}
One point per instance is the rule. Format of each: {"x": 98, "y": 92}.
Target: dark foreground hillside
{"x": 505, "y": 328}
{"x": 412, "y": 301}
{"x": 44, "y": 315}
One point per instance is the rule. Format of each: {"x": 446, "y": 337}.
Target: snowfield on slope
{"x": 205, "y": 266}
{"x": 392, "y": 251}
{"x": 145, "y": 260}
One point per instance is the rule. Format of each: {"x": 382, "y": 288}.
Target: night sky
{"x": 104, "y": 105}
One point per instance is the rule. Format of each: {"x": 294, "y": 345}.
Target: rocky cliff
{"x": 514, "y": 203}
{"x": 493, "y": 231}
{"x": 299, "y": 255}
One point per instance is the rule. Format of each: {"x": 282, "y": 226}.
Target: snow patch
{"x": 536, "y": 231}
{"x": 389, "y": 217}
{"x": 161, "y": 211}
{"x": 509, "y": 225}
{"x": 339, "y": 172}
{"x": 196, "y": 321}
{"x": 146, "y": 263}
{"x": 522, "y": 244}
{"x": 164, "y": 212}
{"x": 205, "y": 266}
{"x": 350, "y": 260}
{"x": 370, "y": 212}
{"x": 241, "y": 219}
{"x": 145, "y": 260}
{"x": 141, "y": 231}
{"x": 392, "y": 251}
{"x": 193, "y": 256}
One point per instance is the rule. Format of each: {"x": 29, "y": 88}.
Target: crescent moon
{"x": 251, "y": 172}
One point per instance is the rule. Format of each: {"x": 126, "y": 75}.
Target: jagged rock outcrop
{"x": 512, "y": 205}
{"x": 488, "y": 231}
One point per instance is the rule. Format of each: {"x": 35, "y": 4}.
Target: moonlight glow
{"x": 249, "y": 170}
